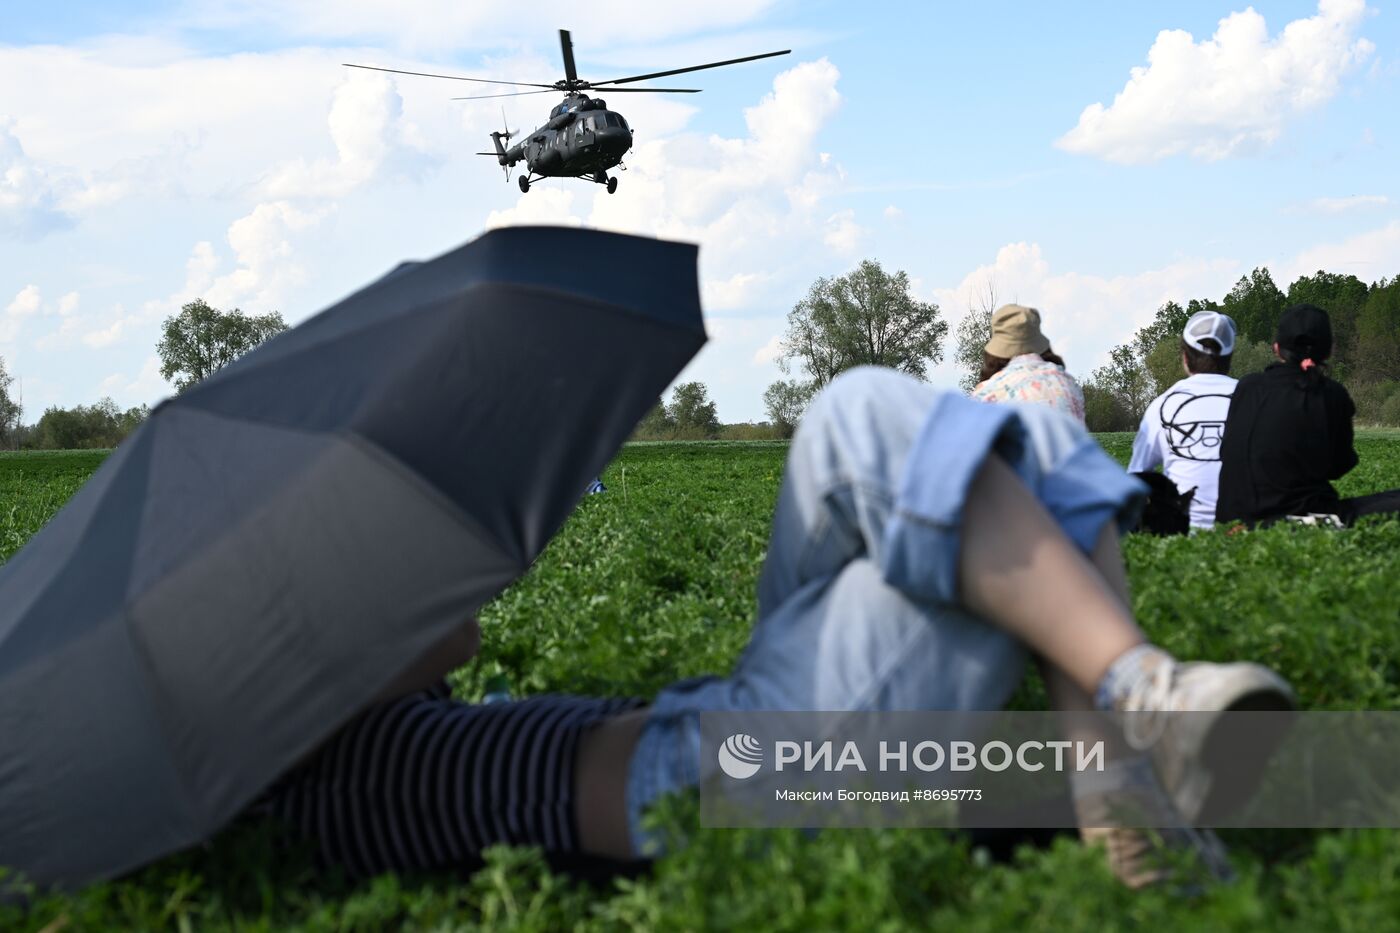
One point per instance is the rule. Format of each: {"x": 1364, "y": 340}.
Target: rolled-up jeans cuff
{"x": 1087, "y": 490}
{"x": 922, "y": 541}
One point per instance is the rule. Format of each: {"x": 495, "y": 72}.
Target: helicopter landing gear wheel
{"x": 612, "y": 185}
{"x": 524, "y": 185}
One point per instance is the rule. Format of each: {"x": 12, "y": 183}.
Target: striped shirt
{"x": 428, "y": 782}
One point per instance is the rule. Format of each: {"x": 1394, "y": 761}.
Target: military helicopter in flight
{"x": 583, "y": 138}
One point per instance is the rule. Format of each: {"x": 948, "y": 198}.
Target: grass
{"x": 654, "y": 581}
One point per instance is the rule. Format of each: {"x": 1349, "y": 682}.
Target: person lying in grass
{"x": 922, "y": 546}
{"x": 1289, "y": 434}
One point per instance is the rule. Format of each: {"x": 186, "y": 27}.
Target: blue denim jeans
{"x": 857, "y": 601}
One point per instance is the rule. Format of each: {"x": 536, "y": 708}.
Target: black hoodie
{"x": 1286, "y": 436}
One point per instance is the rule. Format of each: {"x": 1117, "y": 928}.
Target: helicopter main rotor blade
{"x": 510, "y": 94}
{"x": 424, "y": 74}
{"x": 566, "y": 45}
{"x": 644, "y": 90}
{"x": 677, "y": 71}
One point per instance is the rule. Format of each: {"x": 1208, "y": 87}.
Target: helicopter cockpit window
{"x": 612, "y": 120}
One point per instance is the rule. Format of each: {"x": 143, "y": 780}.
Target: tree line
{"x": 866, "y": 317}
{"x": 870, "y": 317}
{"x": 1365, "y": 354}
{"x": 193, "y": 345}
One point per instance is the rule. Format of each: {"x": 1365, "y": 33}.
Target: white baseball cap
{"x": 1214, "y": 326}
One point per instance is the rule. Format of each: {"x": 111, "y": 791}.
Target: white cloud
{"x": 1342, "y": 205}
{"x": 262, "y": 247}
{"x": 1369, "y": 256}
{"x": 542, "y": 205}
{"x": 893, "y": 213}
{"x": 770, "y": 351}
{"x": 66, "y": 305}
{"x": 128, "y": 391}
{"x": 753, "y": 202}
{"x": 842, "y": 233}
{"x": 732, "y": 292}
{"x": 1086, "y": 315}
{"x": 1227, "y": 95}
{"x": 30, "y": 196}
{"x": 26, "y": 303}
{"x": 369, "y": 132}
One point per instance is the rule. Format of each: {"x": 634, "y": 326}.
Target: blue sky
{"x": 154, "y": 152}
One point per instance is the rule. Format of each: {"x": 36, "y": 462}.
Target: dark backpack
{"x": 1168, "y": 511}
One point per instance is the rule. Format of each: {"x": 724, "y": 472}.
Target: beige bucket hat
{"x": 1015, "y": 331}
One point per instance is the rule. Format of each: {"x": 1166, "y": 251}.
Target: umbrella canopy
{"x": 251, "y": 567}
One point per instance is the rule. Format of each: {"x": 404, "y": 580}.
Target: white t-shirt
{"x": 1182, "y": 431}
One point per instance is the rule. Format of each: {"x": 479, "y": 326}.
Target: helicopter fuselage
{"x": 581, "y": 138}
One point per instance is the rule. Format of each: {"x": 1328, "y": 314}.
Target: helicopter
{"x": 583, "y": 138}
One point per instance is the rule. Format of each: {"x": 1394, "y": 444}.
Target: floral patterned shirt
{"x": 1028, "y": 378}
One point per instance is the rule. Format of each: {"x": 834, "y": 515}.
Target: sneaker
{"x": 1174, "y": 711}
{"x": 1114, "y": 812}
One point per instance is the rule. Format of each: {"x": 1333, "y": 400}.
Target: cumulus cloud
{"x": 370, "y": 134}
{"x": 543, "y": 205}
{"x": 143, "y": 388}
{"x": 754, "y": 202}
{"x": 1086, "y": 315}
{"x": 770, "y": 351}
{"x": 1369, "y": 256}
{"x": 26, "y": 303}
{"x": 262, "y": 247}
{"x": 1230, "y": 94}
{"x": 30, "y": 195}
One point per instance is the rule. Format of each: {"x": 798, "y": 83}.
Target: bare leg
{"x": 1018, "y": 571}
{"x": 1062, "y": 692}
{"x": 600, "y": 785}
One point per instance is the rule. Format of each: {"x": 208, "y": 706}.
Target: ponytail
{"x": 1311, "y": 371}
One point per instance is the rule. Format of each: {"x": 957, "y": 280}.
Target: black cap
{"x": 1307, "y": 331}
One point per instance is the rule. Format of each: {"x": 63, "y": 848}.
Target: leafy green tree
{"x": 86, "y": 427}
{"x": 1377, "y": 351}
{"x": 974, "y": 330}
{"x": 1343, "y": 297}
{"x": 1251, "y": 357}
{"x": 692, "y": 412}
{"x": 1104, "y": 411}
{"x": 1164, "y": 364}
{"x": 1255, "y": 303}
{"x": 9, "y": 409}
{"x": 201, "y": 339}
{"x": 867, "y": 316}
{"x": 785, "y": 401}
{"x": 656, "y": 424}
{"x": 1127, "y": 379}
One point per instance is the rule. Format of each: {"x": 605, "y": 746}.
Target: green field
{"x": 655, "y": 580}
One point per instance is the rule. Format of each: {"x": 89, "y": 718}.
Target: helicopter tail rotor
{"x": 506, "y": 134}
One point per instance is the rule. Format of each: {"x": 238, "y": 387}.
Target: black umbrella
{"x": 272, "y": 547}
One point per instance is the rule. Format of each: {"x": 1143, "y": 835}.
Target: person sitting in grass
{"x": 922, "y": 546}
{"x": 1289, "y": 434}
{"x": 1018, "y": 365}
{"x": 1182, "y": 429}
